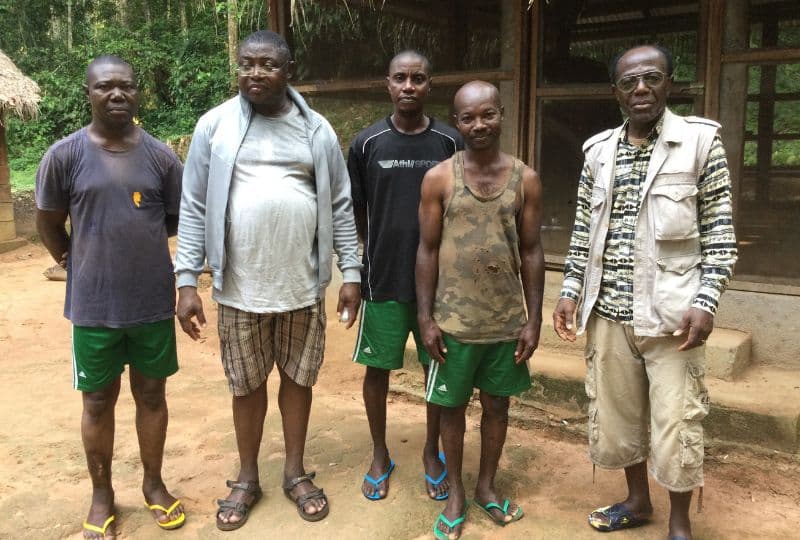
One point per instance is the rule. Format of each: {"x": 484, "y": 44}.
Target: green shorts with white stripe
{"x": 383, "y": 332}
{"x": 490, "y": 367}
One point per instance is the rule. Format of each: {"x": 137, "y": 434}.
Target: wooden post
{"x": 7, "y": 228}
{"x": 733, "y": 94}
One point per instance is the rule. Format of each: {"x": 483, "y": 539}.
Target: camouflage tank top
{"x": 479, "y": 293}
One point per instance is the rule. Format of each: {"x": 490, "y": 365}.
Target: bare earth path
{"x": 44, "y": 488}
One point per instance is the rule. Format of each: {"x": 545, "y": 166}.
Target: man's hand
{"x": 564, "y": 319}
{"x": 432, "y": 340}
{"x": 349, "y": 300}
{"x": 699, "y": 323}
{"x": 62, "y": 262}
{"x": 528, "y": 340}
{"x": 190, "y": 305}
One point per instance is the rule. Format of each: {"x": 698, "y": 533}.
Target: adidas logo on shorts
{"x": 366, "y": 350}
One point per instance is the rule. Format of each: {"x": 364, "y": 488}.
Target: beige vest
{"x": 667, "y": 244}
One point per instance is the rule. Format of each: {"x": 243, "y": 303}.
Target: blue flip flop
{"x": 377, "y": 481}
{"x": 617, "y": 517}
{"x": 436, "y": 481}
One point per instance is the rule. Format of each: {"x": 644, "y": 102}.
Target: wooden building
{"x": 19, "y": 96}
{"x": 737, "y": 61}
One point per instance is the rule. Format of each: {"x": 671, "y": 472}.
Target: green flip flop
{"x": 450, "y": 525}
{"x": 488, "y": 507}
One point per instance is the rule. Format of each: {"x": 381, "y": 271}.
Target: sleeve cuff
{"x": 185, "y": 279}
{"x": 351, "y": 275}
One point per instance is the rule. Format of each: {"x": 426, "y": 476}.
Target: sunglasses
{"x": 651, "y": 79}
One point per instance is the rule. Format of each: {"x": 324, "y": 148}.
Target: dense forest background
{"x": 179, "y": 49}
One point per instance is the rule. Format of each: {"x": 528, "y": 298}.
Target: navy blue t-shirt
{"x": 386, "y": 169}
{"x": 119, "y": 270}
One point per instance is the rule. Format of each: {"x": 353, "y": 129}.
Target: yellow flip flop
{"x": 102, "y": 530}
{"x": 169, "y": 525}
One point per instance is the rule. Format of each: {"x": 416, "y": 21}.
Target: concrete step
{"x": 728, "y": 352}
{"x": 761, "y": 408}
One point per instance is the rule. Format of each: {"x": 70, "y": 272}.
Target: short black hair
{"x": 413, "y": 52}
{"x": 109, "y": 59}
{"x": 666, "y": 53}
{"x": 266, "y": 37}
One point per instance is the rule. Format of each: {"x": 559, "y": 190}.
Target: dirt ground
{"x": 44, "y": 487}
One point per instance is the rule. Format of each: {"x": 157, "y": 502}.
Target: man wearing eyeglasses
{"x": 652, "y": 250}
{"x": 266, "y": 200}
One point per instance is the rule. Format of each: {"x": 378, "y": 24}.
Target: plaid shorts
{"x": 251, "y": 343}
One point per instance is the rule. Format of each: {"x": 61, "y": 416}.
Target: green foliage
{"x": 180, "y": 74}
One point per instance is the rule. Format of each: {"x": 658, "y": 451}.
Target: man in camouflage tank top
{"x": 480, "y": 268}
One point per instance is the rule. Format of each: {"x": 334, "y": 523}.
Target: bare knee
{"x": 495, "y": 406}
{"x": 98, "y": 404}
{"x": 149, "y": 394}
{"x": 375, "y": 375}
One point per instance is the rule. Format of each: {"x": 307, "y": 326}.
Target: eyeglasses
{"x": 266, "y": 68}
{"x": 651, "y": 79}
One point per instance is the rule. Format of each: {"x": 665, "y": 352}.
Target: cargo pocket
{"x": 696, "y": 402}
{"x": 675, "y": 211}
{"x": 691, "y": 447}
{"x": 590, "y": 382}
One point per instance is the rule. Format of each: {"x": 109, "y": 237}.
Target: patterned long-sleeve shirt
{"x": 717, "y": 239}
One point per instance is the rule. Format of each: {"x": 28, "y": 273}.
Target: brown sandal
{"x": 301, "y": 500}
{"x": 243, "y": 509}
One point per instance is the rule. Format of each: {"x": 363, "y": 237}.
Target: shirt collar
{"x": 655, "y": 132}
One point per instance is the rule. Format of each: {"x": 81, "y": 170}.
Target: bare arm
{"x": 532, "y": 268}
{"x": 431, "y": 208}
{"x": 51, "y": 226}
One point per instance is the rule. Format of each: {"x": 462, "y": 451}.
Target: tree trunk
{"x": 69, "y": 25}
{"x": 233, "y": 40}
{"x": 182, "y": 11}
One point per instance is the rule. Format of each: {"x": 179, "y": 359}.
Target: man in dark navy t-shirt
{"x": 121, "y": 190}
{"x": 386, "y": 162}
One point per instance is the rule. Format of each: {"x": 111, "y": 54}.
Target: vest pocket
{"x": 596, "y": 205}
{"x": 677, "y": 280}
{"x": 674, "y": 210}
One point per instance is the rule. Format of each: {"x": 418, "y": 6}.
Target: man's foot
{"x": 449, "y": 524}
{"x": 435, "y": 476}
{"x": 100, "y": 521}
{"x": 501, "y": 511}
{"x": 376, "y": 481}
{"x": 619, "y": 516}
{"x": 234, "y": 511}
{"x": 312, "y": 504}
{"x": 166, "y": 509}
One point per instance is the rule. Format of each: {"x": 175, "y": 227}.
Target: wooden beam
{"x": 716, "y": 11}
{"x": 775, "y": 55}
{"x": 534, "y": 18}
{"x": 732, "y": 93}
{"x": 523, "y": 79}
{"x": 603, "y": 90}
{"x": 444, "y": 79}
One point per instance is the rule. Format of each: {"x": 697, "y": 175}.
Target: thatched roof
{"x": 19, "y": 95}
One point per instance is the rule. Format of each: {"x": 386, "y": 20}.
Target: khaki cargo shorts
{"x": 646, "y": 401}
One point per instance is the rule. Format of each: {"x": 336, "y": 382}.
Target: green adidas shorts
{"x": 489, "y": 367}
{"x": 383, "y": 332}
{"x": 99, "y": 354}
